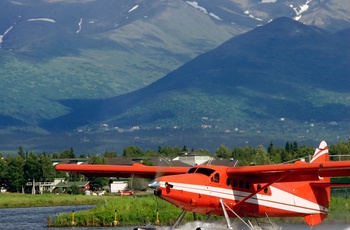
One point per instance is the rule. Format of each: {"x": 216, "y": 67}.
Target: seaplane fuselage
{"x": 203, "y": 188}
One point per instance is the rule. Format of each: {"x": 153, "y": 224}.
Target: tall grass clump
{"x": 130, "y": 211}
{"x": 339, "y": 210}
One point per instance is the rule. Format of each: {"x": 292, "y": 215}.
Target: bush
{"x": 74, "y": 190}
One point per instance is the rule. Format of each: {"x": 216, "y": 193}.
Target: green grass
{"x": 129, "y": 211}
{"x": 17, "y": 200}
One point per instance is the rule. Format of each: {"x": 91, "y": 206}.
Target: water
{"x": 36, "y": 218}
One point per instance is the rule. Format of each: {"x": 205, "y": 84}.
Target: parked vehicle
{"x": 126, "y": 192}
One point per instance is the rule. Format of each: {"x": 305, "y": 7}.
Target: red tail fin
{"x": 321, "y": 153}
{"x": 321, "y": 194}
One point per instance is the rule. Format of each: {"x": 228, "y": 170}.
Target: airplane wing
{"x": 299, "y": 171}
{"x": 124, "y": 171}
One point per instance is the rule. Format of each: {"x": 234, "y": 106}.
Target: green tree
{"x": 74, "y": 190}
{"x": 48, "y": 170}
{"x": 287, "y": 147}
{"x": 21, "y": 152}
{"x": 55, "y": 156}
{"x": 150, "y": 153}
{"x": 341, "y": 148}
{"x": 294, "y": 146}
{"x": 97, "y": 183}
{"x": 15, "y": 173}
{"x": 147, "y": 162}
{"x": 109, "y": 154}
{"x": 223, "y": 152}
{"x": 3, "y": 171}
{"x": 275, "y": 154}
{"x": 271, "y": 148}
{"x": 32, "y": 168}
{"x": 286, "y": 156}
{"x": 97, "y": 160}
{"x": 167, "y": 151}
{"x": 244, "y": 155}
{"x": 304, "y": 152}
{"x": 261, "y": 157}
{"x": 132, "y": 151}
{"x": 66, "y": 154}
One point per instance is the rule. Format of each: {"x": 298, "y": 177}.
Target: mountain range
{"x": 81, "y": 71}
{"x": 283, "y": 70}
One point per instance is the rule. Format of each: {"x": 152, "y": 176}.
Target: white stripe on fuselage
{"x": 279, "y": 199}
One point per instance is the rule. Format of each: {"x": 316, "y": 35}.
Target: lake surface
{"x": 36, "y": 218}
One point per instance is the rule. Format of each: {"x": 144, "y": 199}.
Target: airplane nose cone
{"x": 154, "y": 185}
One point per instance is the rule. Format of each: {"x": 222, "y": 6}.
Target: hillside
{"x": 59, "y": 57}
{"x": 66, "y": 49}
{"x": 293, "y": 79}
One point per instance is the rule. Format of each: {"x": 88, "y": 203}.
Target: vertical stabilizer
{"x": 321, "y": 153}
{"x": 321, "y": 194}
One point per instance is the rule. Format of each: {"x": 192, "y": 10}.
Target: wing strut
{"x": 179, "y": 219}
{"x": 223, "y": 205}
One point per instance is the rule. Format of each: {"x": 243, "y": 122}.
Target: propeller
{"x": 162, "y": 161}
{"x": 154, "y": 184}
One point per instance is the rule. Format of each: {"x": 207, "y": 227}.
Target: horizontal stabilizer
{"x": 332, "y": 185}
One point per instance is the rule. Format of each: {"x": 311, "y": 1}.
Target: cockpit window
{"x": 204, "y": 171}
{"x": 216, "y": 178}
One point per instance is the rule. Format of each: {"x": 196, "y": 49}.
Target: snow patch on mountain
{"x": 200, "y": 8}
{"x": 301, "y": 9}
{"x": 268, "y": 1}
{"x": 41, "y": 19}
{"x": 215, "y": 16}
{"x": 134, "y": 8}
{"x": 297, "y": 18}
{"x": 1, "y": 36}
{"x": 195, "y": 5}
{"x": 252, "y": 16}
{"x": 69, "y": 1}
{"x": 16, "y": 3}
{"x": 79, "y": 24}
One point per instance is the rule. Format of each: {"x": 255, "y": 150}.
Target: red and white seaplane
{"x": 300, "y": 189}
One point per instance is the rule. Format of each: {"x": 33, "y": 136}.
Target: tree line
{"x": 16, "y": 170}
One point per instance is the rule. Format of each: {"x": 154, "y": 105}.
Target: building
{"x": 82, "y": 185}
{"x": 41, "y": 187}
{"x": 117, "y": 186}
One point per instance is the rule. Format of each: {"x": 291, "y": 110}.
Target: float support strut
{"x": 179, "y": 219}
